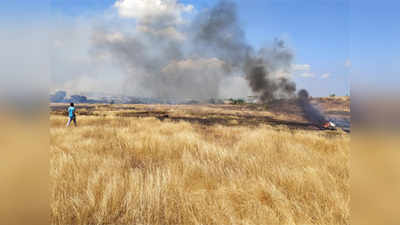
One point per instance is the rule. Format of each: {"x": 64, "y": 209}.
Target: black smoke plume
{"x": 261, "y": 72}
{"x": 213, "y": 49}
{"x": 313, "y": 114}
{"x": 220, "y": 32}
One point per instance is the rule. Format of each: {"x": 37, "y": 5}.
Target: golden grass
{"x": 115, "y": 170}
{"x": 24, "y": 169}
{"x": 375, "y": 177}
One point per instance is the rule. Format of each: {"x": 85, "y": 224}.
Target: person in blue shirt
{"x": 71, "y": 114}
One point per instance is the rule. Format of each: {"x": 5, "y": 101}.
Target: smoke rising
{"x": 313, "y": 114}
{"x": 191, "y": 59}
{"x": 218, "y": 32}
{"x": 263, "y": 70}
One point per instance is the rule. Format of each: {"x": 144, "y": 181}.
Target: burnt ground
{"x": 225, "y": 119}
{"x": 277, "y": 113}
{"x": 336, "y": 109}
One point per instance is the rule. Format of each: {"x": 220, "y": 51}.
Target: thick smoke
{"x": 316, "y": 116}
{"x": 263, "y": 70}
{"x": 219, "y": 32}
{"x": 313, "y": 114}
{"x": 191, "y": 61}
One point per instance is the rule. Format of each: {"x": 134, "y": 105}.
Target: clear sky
{"x": 375, "y": 45}
{"x": 332, "y": 37}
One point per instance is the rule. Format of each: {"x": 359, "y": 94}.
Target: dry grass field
{"x": 143, "y": 164}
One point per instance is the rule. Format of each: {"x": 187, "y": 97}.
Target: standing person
{"x": 71, "y": 114}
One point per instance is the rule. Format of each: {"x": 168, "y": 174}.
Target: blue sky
{"x": 375, "y": 46}
{"x": 324, "y": 34}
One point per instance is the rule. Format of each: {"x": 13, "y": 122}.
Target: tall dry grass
{"x": 113, "y": 170}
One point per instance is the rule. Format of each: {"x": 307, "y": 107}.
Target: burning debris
{"x": 329, "y": 125}
{"x": 313, "y": 114}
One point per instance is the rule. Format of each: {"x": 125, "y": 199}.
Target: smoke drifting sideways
{"x": 181, "y": 61}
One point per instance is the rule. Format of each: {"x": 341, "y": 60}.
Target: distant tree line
{"x": 238, "y": 101}
{"x": 60, "y": 97}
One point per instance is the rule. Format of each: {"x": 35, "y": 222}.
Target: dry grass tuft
{"x": 114, "y": 170}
